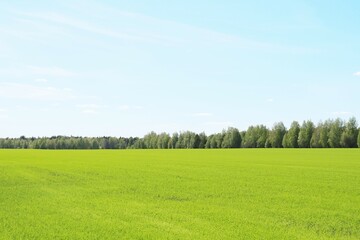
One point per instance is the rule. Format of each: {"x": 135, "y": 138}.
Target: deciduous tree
{"x": 349, "y": 136}
{"x": 276, "y": 135}
{"x": 336, "y": 130}
{"x": 305, "y": 134}
{"x": 232, "y": 138}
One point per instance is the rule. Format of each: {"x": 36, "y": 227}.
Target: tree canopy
{"x": 329, "y": 134}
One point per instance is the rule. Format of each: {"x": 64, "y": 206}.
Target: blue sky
{"x": 124, "y": 68}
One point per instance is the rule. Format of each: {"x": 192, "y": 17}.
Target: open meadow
{"x": 180, "y": 194}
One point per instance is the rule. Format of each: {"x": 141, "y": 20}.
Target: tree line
{"x": 329, "y": 134}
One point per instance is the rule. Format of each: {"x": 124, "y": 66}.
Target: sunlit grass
{"x": 180, "y": 194}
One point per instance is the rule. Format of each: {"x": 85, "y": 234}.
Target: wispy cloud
{"x": 341, "y": 113}
{"x": 270, "y": 100}
{"x": 89, "y": 111}
{"x": 224, "y": 124}
{"x": 91, "y": 108}
{"x": 155, "y": 30}
{"x": 357, "y": 74}
{"x": 91, "y": 105}
{"x": 3, "y": 49}
{"x": 33, "y": 92}
{"x": 41, "y": 80}
{"x": 126, "y": 107}
{"x": 203, "y": 35}
{"x": 3, "y": 113}
{"x": 203, "y": 114}
{"x": 50, "y": 71}
{"x": 30, "y": 30}
{"x": 93, "y": 28}
{"x": 40, "y": 73}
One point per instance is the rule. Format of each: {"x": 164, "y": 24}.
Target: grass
{"x": 180, "y": 194}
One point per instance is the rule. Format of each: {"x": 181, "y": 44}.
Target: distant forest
{"x": 329, "y": 134}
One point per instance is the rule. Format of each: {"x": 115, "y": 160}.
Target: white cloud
{"x": 343, "y": 113}
{"x": 75, "y": 23}
{"x": 270, "y": 100}
{"x": 50, "y": 71}
{"x": 3, "y": 114}
{"x": 126, "y": 107}
{"x": 225, "y": 123}
{"x": 89, "y": 111}
{"x": 95, "y": 108}
{"x": 92, "y": 106}
{"x": 156, "y": 30}
{"x": 13, "y": 72}
{"x": 41, "y": 80}
{"x": 357, "y": 74}
{"x": 4, "y": 50}
{"x": 202, "y": 114}
{"x": 32, "y": 92}
{"x": 39, "y": 73}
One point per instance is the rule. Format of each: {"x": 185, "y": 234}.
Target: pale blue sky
{"x": 124, "y": 68}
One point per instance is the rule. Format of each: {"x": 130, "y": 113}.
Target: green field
{"x": 180, "y": 194}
